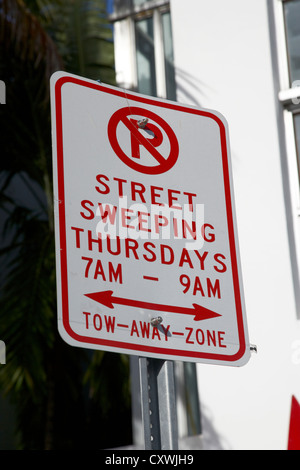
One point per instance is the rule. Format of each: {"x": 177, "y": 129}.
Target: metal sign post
{"x": 158, "y": 404}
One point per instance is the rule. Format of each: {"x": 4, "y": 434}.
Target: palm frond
{"x": 22, "y": 36}
{"x": 46, "y": 378}
{"x": 84, "y": 38}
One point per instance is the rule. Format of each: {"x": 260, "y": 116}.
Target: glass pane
{"x": 292, "y": 20}
{"x": 145, "y": 56}
{"x": 139, "y": 2}
{"x": 192, "y": 399}
{"x": 169, "y": 58}
{"x": 297, "y": 132}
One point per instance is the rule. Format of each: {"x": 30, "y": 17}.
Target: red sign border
{"x": 192, "y": 355}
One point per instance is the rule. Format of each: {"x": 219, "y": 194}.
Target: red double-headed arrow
{"x": 108, "y": 299}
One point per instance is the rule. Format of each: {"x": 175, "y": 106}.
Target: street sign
{"x": 146, "y": 239}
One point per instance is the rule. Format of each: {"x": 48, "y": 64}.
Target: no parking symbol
{"x": 148, "y": 135}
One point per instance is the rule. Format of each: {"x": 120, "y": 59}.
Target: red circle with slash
{"x": 123, "y": 115}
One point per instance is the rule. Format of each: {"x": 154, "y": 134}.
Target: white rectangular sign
{"x": 146, "y": 240}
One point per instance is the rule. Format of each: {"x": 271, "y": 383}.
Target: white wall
{"x": 223, "y": 62}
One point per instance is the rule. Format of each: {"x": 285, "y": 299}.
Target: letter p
{"x": 153, "y": 133}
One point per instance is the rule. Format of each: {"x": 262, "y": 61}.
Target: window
{"x": 292, "y": 26}
{"x": 291, "y": 11}
{"x": 286, "y": 15}
{"x": 289, "y": 94}
{"x": 144, "y": 47}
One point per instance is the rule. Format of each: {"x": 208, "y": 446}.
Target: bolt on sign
{"x": 146, "y": 239}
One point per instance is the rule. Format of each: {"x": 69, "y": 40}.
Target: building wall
{"x": 224, "y": 61}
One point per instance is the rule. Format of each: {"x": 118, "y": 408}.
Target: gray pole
{"x": 158, "y": 404}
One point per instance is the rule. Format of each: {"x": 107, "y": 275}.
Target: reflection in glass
{"x": 145, "y": 56}
{"x": 297, "y": 133}
{"x": 137, "y": 3}
{"x": 169, "y": 58}
{"x": 292, "y": 20}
